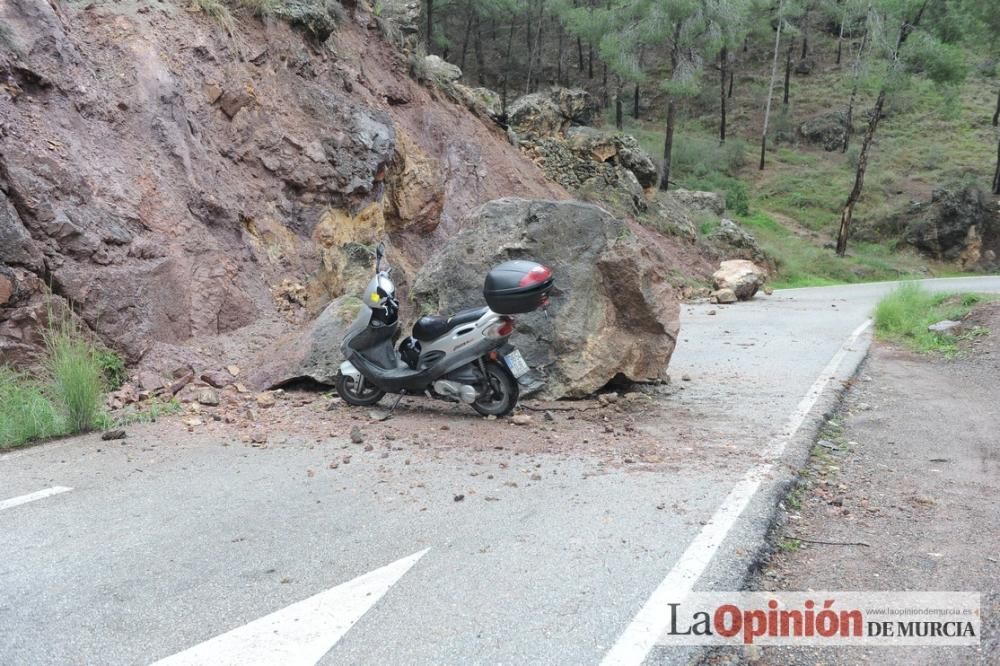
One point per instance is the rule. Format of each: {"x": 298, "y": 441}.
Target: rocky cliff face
{"x": 170, "y": 181}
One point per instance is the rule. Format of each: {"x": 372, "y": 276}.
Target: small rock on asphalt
{"x": 356, "y": 435}
{"x": 521, "y": 419}
{"x": 265, "y": 400}
{"x": 208, "y": 397}
{"x": 113, "y": 434}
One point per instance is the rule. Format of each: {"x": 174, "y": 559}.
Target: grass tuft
{"x": 904, "y": 315}
{"x": 218, "y": 11}
{"x": 76, "y": 376}
{"x": 26, "y": 413}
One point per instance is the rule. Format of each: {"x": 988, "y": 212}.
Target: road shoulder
{"x": 899, "y": 494}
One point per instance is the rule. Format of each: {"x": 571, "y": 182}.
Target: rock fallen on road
{"x": 209, "y": 398}
{"x": 113, "y": 434}
{"x": 743, "y": 277}
{"x": 723, "y": 297}
{"x": 946, "y": 327}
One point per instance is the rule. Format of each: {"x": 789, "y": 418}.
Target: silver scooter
{"x": 464, "y": 357}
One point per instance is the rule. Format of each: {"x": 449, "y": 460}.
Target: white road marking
{"x": 640, "y": 636}
{"x": 300, "y": 634}
{"x": 31, "y": 497}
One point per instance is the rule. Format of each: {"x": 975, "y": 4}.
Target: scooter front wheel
{"x": 501, "y": 393}
{"x": 364, "y": 395}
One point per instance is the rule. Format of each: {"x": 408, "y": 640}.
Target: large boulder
{"x": 957, "y": 225}
{"x": 619, "y": 149}
{"x": 743, "y": 277}
{"x": 552, "y": 112}
{"x": 576, "y": 165}
{"x": 614, "y": 314}
{"x": 712, "y": 203}
{"x": 311, "y": 353}
{"x": 400, "y": 23}
{"x": 439, "y": 71}
{"x": 827, "y": 130}
{"x": 731, "y": 235}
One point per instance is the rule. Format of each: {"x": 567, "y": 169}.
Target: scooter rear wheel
{"x": 348, "y": 390}
{"x": 501, "y": 393}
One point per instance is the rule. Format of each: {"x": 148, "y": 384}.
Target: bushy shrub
{"x": 75, "y": 375}
{"x": 112, "y": 369}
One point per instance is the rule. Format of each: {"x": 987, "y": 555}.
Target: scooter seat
{"x": 434, "y": 326}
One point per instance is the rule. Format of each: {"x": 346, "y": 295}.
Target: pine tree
{"x": 893, "y": 25}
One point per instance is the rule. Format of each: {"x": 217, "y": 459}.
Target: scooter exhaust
{"x": 463, "y": 392}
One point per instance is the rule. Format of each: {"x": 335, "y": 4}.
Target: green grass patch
{"x": 112, "y": 368}
{"x": 800, "y": 262}
{"x": 904, "y": 315}
{"x": 76, "y": 378}
{"x": 26, "y": 412}
{"x": 66, "y": 395}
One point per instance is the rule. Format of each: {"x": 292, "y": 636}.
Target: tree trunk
{"x": 668, "y": 146}
{"x": 730, "y": 93}
{"x": 590, "y": 61}
{"x": 723, "y": 56}
{"x": 635, "y": 103}
{"x": 468, "y": 33}
{"x": 788, "y": 72}
{"x": 854, "y": 93}
{"x": 506, "y": 70}
{"x": 531, "y": 53}
{"x": 770, "y": 89}
{"x": 559, "y": 59}
{"x": 604, "y": 88}
{"x": 480, "y": 60}
{"x": 533, "y": 84}
{"x": 849, "y": 125}
{"x": 430, "y": 25}
{"x": 840, "y": 40}
{"x": 847, "y": 215}
{"x": 996, "y": 114}
{"x": 668, "y": 136}
{"x": 619, "y": 116}
{"x": 579, "y": 54}
{"x": 996, "y": 174}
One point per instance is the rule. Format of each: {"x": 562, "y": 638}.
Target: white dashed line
{"x": 31, "y": 497}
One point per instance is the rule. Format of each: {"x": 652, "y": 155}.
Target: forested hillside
{"x": 825, "y": 122}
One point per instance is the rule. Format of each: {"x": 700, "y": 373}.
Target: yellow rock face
{"x": 414, "y": 188}
{"x": 336, "y": 232}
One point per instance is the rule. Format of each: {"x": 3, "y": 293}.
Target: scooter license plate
{"x": 515, "y": 362}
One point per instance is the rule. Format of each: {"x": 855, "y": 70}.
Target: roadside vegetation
{"x": 718, "y": 94}
{"x": 65, "y": 394}
{"x": 904, "y": 315}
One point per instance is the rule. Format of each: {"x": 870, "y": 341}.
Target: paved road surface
{"x": 154, "y": 552}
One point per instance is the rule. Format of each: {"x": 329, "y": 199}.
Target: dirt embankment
{"x": 175, "y": 183}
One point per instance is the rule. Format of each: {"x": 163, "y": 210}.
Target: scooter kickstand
{"x": 395, "y": 404}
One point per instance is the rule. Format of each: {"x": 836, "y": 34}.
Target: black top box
{"x": 516, "y": 287}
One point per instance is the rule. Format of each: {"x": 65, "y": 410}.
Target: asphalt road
{"x": 158, "y": 549}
